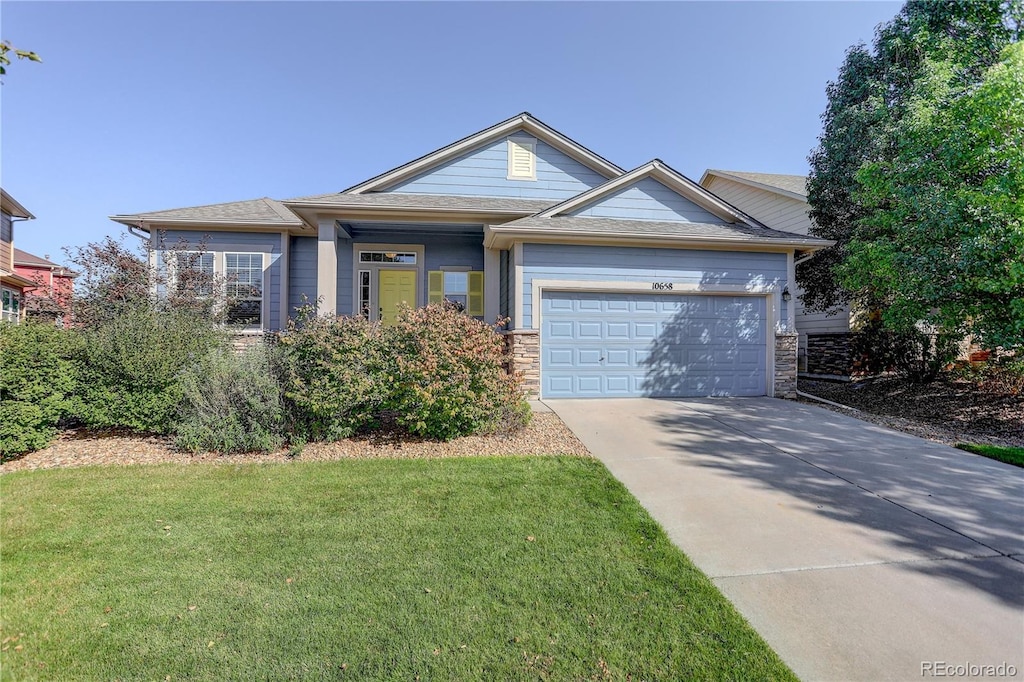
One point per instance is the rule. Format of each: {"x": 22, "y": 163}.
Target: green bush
{"x": 37, "y": 380}
{"x": 914, "y": 354}
{"x": 231, "y": 403}
{"x": 1002, "y": 375}
{"x": 334, "y": 375}
{"x": 130, "y": 367}
{"x": 450, "y": 376}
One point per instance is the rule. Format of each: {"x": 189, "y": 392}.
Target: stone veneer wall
{"x": 829, "y": 354}
{"x": 242, "y": 342}
{"x": 524, "y": 346}
{"x": 785, "y": 365}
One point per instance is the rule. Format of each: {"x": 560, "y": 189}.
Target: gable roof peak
{"x": 793, "y": 186}
{"x": 666, "y": 175}
{"x": 523, "y": 121}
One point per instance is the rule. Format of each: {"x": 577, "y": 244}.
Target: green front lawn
{"x": 1010, "y": 455}
{"x": 511, "y": 568}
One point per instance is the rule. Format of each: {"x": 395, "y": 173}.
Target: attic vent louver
{"x": 522, "y": 161}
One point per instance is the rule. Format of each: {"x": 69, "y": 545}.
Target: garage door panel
{"x": 617, "y": 330}
{"x": 558, "y": 329}
{"x": 611, "y": 344}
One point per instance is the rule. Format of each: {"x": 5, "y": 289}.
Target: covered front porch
{"x": 371, "y": 268}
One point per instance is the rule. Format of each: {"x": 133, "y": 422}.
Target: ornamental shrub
{"x": 231, "y": 403}
{"x": 913, "y": 354}
{"x": 36, "y": 383}
{"x": 130, "y": 367}
{"x": 334, "y": 374}
{"x": 449, "y": 375}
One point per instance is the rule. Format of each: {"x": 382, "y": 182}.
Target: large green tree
{"x": 942, "y": 238}
{"x": 925, "y": 113}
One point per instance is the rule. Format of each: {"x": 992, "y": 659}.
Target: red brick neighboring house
{"x": 12, "y": 285}
{"x": 50, "y": 297}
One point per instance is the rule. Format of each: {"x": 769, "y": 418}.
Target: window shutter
{"x": 435, "y": 286}
{"x": 476, "y": 293}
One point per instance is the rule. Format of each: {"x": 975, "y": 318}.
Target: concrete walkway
{"x": 858, "y": 553}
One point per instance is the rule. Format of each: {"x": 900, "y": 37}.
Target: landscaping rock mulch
{"x": 546, "y": 435}
{"x": 947, "y": 410}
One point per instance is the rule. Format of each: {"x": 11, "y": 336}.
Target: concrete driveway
{"x": 858, "y": 553}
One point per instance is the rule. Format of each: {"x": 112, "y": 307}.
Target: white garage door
{"x": 659, "y": 345}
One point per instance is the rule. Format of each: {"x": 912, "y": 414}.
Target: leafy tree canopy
{"x": 919, "y": 172}
{"x": 6, "y": 48}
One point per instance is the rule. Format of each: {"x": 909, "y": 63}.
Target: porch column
{"x": 492, "y": 285}
{"x": 327, "y": 267}
{"x": 284, "y": 272}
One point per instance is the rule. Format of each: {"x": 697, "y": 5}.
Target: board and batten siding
{"x": 648, "y": 199}
{"x": 301, "y": 272}
{"x": 484, "y": 172}
{"x": 790, "y": 215}
{"x": 240, "y": 242}
{"x": 636, "y": 264}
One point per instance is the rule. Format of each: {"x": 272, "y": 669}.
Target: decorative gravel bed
{"x": 945, "y": 410}
{"x": 546, "y": 435}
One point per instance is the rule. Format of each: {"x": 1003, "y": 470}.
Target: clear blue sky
{"x": 145, "y": 106}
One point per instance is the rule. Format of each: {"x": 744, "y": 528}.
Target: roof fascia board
{"x": 145, "y": 223}
{"x": 496, "y": 236}
{"x": 364, "y": 213}
{"x": 17, "y": 280}
{"x": 12, "y": 207}
{"x": 751, "y": 183}
{"x": 521, "y": 122}
{"x": 342, "y": 206}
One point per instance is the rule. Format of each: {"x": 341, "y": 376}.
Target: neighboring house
{"x": 780, "y": 202}
{"x": 616, "y": 283}
{"x": 50, "y": 296}
{"x": 12, "y": 285}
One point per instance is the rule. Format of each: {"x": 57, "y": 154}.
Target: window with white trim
{"x": 386, "y": 257}
{"x": 456, "y": 289}
{"x": 364, "y": 293}
{"x": 193, "y": 271}
{"x": 459, "y": 286}
{"x": 243, "y": 273}
{"x": 11, "y": 308}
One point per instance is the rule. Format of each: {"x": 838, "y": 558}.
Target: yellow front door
{"x": 395, "y": 287}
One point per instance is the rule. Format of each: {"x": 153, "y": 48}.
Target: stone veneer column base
{"x": 830, "y": 354}
{"x": 242, "y": 342}
{"x": 524, "y": 347}
{"x": 785, "y": 364}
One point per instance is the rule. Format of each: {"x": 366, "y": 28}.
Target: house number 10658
{"x": 661, "y": 286}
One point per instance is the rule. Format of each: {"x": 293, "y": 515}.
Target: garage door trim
{"x": 771, "y": 293}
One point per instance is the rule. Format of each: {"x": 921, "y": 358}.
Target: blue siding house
{"x": 616, "y": 283}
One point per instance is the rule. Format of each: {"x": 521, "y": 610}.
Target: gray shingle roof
{"x": 797, "y": 184}
{"x": 26, "y": 258}
{"x": 654, "y": 228}
{"x": 253, "y": 211}
{"x": 428, "y": 201}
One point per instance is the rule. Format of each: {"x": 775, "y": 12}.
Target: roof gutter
{"x": 499, "y": 236}
{"x": 366, "y": 208}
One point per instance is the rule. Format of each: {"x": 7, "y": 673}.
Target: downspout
{"x": 132, "y": 232}
{"x": 806, "y": 258}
